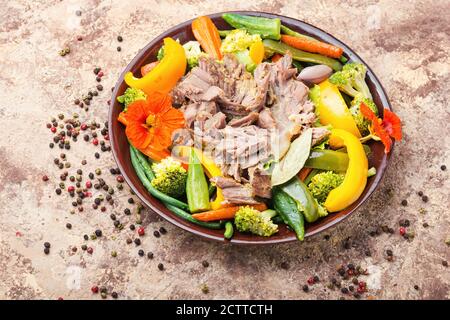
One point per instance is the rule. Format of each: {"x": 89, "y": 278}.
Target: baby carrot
{"x": 313, "y": 46}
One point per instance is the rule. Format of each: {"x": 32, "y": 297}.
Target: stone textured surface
{"x": 405, "y": 42}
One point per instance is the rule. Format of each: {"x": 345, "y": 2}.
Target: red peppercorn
{"x": 120, "y": 179}
{"x": 141, "y": 231}
{"x": 362, "y": 284}
{"x": 83, "y": 126}
{"x": 90, "y": 250}
{"x": 310, "y": 281}
{"x": 88, "y": 184}
{"x": 71, "y": 189}
{"x": 44, "y": 178}
{"x": 106, "y": 137}
{"x": 95, "y": 141}
{"x": 361, "y": 289}
{"x": 402, "y": 231}
{"x": 100, "y": 74}
{"x": 53, "y": 129}
{"x": 94, "y": 289}
{"x": 60, "y": 298}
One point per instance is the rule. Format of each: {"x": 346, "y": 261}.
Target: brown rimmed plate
{"x": 120, "y": 147}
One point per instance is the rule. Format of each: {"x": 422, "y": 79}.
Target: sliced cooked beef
{"x": 235, "y": 90}
{"x": 319, "y": 134}
{"x": 234, "y": 192}
{"x": 226, "y": 105}
{"x": 217, "y": 121}
{"x": 182, "y": 137}
{"x": 245, "y": 121}
{"x": 193, "y": 85}
{"x": 236, "y": 149}
{"x": 290, "y": 103}
{"x": 260, "y": 182}
{"x": 266, "y": 120}
{"x": 190, "y": 112}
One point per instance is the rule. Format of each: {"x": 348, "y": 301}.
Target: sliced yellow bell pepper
{"x": 256, "y": 52}
{"x": 165, "y": 75}
{"x": 211, "y": 170}
{"x": 333, "y": 110}
{"x": 356, "y": 176}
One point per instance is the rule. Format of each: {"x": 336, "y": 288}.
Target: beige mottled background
{"x": 405, "y": 42}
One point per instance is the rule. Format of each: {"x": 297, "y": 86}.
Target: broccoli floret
{"x": 131, "y": 95}
{"x": 238, "y": 40}
{"x": 322, "y": 183}
{"x": 238, "y": 43}
{"x": 351, "y": 80}
{"x": 193, "y": 52}
{"x": 170, "y": 177}
{"x": 251, "y": 220}
{"x": 361, "y": 122}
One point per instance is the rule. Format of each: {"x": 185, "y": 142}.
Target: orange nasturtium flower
{"x": 150, "y": 123}
{"x": 384, "y": 129}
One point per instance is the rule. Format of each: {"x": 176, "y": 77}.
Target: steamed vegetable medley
{"x": 253, "y": 127}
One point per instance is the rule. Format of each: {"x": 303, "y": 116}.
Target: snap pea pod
{"x": 265, "y": 27}
{"x": 306, "y": 203}
{"x": 144, "y": 164}
{"x": 186, "y": 216}
{"x": 299, "y": 55}
{"x": 288, "y": 210}
{"x": 196, "y": 186}
{"x": 228, "y": 230}
{"x": 146, "y": 182}
{"x": 327, "y": 160}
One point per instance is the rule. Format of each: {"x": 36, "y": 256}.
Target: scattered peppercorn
{"x": 160, "y": 266}
{"x": 119, "y": 38}
{"x": 205, "y": 264}
{"x": 46, "y": 250}
{"x": 98, "y": 233}
{"x": 444, "y": 263}
{"x": 119, "y": 48}
{"x": 141, "y": 252}
{"x": 137, "y": 241}
{"x": 424, "y": 198}
{"x": 68, "y": 226}
{"x": 404, "y": 203}
{"x": 114, "y": 295}
{"x": 443, "y": 167}
{"x": 130, "y": 200}
{"x": 305, "y": 288}
{"x": 156, "y": 233}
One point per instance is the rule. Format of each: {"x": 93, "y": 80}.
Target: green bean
{"x": 310, "y": 176}
{"x": 293, "y": 33}
{"x": 153, "y": 191}
{"x": 144, "y": 163}
{"x": 186, "y": 216}
{"x": 228, "y": 230}
{"x": 300, "y": 55}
